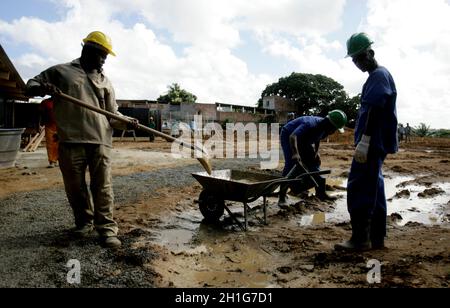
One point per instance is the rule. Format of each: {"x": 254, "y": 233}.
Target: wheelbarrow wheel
{"x": 211, "y": 207}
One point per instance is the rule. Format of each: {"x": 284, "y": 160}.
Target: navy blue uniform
{"x": 305, "y": 128}
{"x": 366, "y": 198}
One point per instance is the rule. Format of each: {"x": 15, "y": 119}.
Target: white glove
{"x": 362, "y": 149}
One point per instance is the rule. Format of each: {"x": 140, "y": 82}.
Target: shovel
{"x": 203, "y": 161}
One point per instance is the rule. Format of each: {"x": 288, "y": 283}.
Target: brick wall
{"x": 239, "y": 117}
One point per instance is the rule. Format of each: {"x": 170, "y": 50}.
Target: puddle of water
{"x": 241, "y": 268}
{"x": 427, "y": 211}
{"x": 219, "y": 261}
{"x": 312, "y": 220}
{"x": 176, "y": 240}
{"x": 223, "y": 263}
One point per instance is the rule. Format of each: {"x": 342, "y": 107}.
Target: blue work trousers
{"x": 366, "y": 198}
{"x": 307, "y": 155}
{"x": 308, "y": 158}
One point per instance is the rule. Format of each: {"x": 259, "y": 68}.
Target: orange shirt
{"x": 47, "y": 113}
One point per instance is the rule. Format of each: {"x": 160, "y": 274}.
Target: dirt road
{"x": 167, "y": 243}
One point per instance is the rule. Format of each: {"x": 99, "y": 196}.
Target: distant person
{"x": 375, "y": 137}
{"x": 51, "y": 136}
{"x": 401, "y": 132}
{"x": 152, "y": 125}
{"x": 85, "y": 136}
{"x": 300, "y": 140}
{"x": 408, "y": 132}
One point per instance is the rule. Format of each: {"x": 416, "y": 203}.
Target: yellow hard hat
{"x": 101, "y": 39}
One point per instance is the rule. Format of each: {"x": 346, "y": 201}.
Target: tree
{"x": 422, "y": 130}
{"x": 350, "y": 107}
{"x": 313, "y": 94}
{"x": 176, "y": 96}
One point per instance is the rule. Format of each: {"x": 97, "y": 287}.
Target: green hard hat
{"x": 357, "y": 43}
{"x": 338, "y": 118}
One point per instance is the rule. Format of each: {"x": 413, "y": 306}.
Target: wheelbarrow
{"x": 239, "y": 186}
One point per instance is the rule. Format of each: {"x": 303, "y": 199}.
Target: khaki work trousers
{"x": 94, "y": 206}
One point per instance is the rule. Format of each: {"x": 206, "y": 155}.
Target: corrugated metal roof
{"x": 12, "y": 85}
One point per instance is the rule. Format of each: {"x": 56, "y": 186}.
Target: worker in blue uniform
{"x": 300, "y": 140}
{"x": 375, "y": 137}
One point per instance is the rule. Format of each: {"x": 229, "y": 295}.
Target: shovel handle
{"x": 123, "y": 119}
{"x": 300, "y": 164}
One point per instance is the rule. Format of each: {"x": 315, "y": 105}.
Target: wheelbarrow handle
{"x": 272, "y": 183}
{"x": 303, "y": 168}
{"x": 297, "y": 179}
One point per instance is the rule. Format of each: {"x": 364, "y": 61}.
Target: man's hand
{"x": 42, "y": 90}
{"x": 362, "y": 149}
{"x": 49, "y": 89}
{"x": 133, "y": 124}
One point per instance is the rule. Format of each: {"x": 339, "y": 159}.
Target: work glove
{"x": 362, "y": 149}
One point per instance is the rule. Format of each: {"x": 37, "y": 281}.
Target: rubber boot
{"x": 321, "y": 191}
{"x": 282, "y": 197}
{"x": 378, "y": 233}
{"x": 360, "y": 237}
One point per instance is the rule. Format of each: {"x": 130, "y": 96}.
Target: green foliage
{"x": 422, "y": 130}
{"x": 350, "y": 107}
{"x": 441, "y": 133}
{"x": 176, "y": 96}
{"x": 268, "y": 119}
{"x": 313, "y": 94}
{"x": 224, "y": 123}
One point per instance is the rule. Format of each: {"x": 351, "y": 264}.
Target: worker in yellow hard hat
{"x": 85, "y": 137}
{"x": 100, "y": 40}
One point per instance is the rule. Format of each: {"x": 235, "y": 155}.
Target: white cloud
{"x": 308, "y": 17}
{"x": 145, "y": 65}
{"x": 412, "y": 40}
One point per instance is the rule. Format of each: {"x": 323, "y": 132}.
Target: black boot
{"x": 360, "y": 237}
{"x": 282, "y": 197}
{"x": 378, "y": 231}
{"x": 321, "y": 191}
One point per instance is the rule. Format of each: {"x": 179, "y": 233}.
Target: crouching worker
{"x": 300, "y": 140}
{"x": 85, "y": 136}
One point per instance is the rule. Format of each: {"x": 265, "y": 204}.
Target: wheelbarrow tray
{"x": 236, "y": 185}
{"x": 240, "y": 186}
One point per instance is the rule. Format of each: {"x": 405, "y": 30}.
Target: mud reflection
{"x": 408, "y": 201}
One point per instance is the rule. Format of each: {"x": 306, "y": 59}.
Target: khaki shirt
{"x": 77, "y": 124}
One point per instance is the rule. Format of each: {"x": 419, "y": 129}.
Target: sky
{"x": 228, "y": 51}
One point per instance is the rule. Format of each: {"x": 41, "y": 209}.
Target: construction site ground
{"x": 166, "y": 243}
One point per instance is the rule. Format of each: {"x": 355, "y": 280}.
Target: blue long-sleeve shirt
{"x": 379, "y": 91}
{"x": 304, "y": 129}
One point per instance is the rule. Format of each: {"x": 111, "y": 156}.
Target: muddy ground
{"x": 166, "y": 243}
